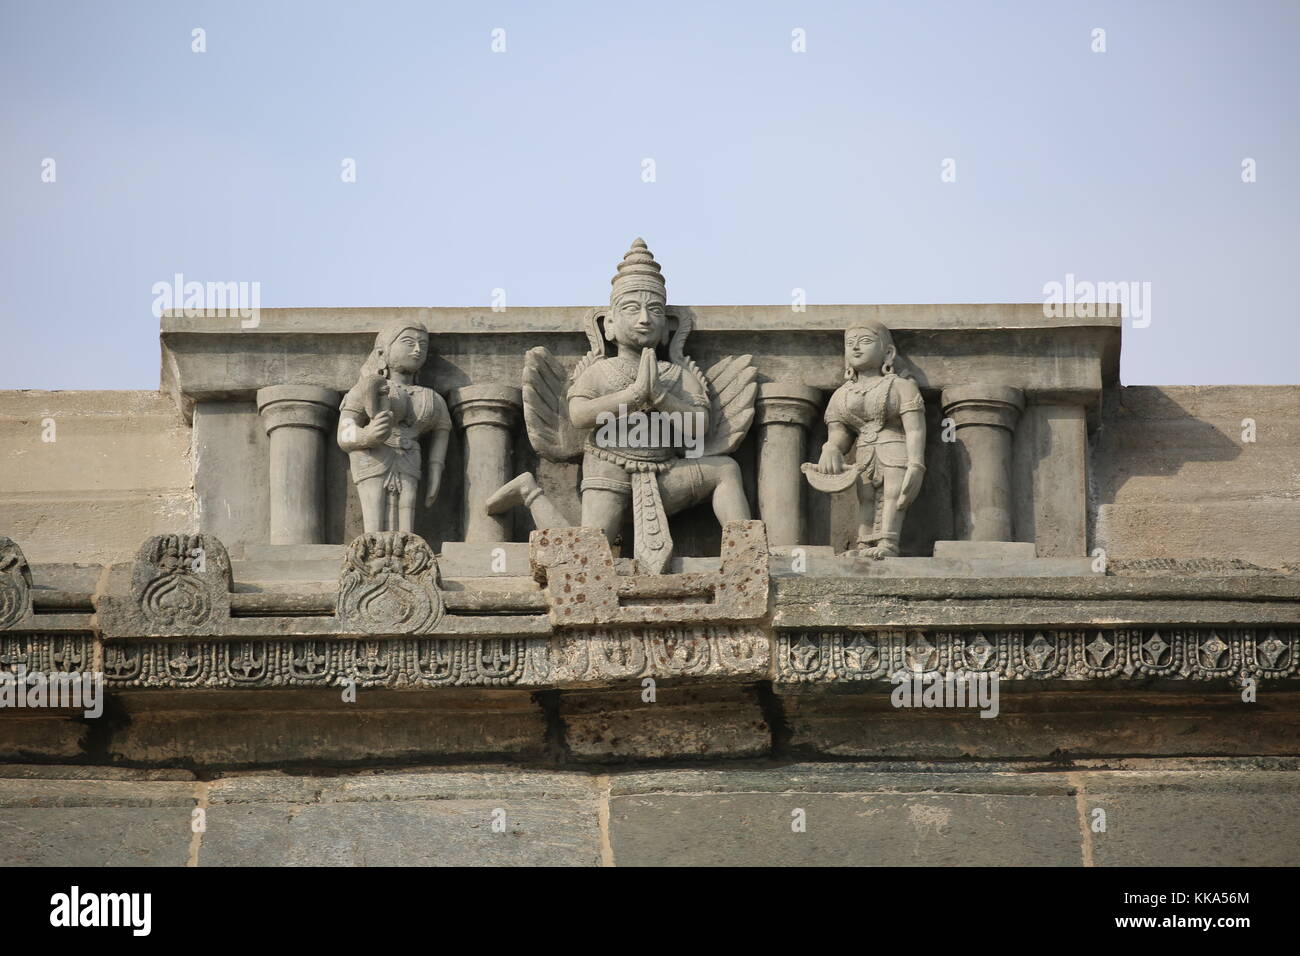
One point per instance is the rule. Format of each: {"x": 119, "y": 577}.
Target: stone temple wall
{"x": 319, "y": 700}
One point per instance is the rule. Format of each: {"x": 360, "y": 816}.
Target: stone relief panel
{"x": 179, "y": 586}
{"x": 389, "y": 584}
{"x": 653, "y": 431}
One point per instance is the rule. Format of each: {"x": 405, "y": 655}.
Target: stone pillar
{"x": 298, "y": 419}
{"x": 487, "y": 415}
{"x": 784, "y": 413}
{"x": 985, "y": 417}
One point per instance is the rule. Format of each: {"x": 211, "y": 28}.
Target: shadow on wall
{"x": 1160, "y": 485}
{"x": 1145, "y": 432}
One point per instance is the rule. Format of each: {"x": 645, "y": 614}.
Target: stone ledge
{"x": 1192, "y": 812}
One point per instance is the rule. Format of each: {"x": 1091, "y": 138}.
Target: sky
{"x": 525, "y": 169}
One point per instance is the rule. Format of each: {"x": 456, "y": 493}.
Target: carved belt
{"x": 652, "y": 544}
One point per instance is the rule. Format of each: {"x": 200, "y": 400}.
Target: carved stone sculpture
{"x": 15, "y": 584}
{"x": 648, "y": 372}
{"x": 381, "y": 421}
{"x": 885, "y": 414}
{"x": 389, "y": 585}
{"x": 180, "y": 585}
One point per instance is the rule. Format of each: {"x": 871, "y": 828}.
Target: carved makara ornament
{"x": 882, "y": 413}
{"x": 381, "y": 421}
{"x": 616, "y": 411}
{"x": 180, "y": 584}
{"x": 389, "y": 585}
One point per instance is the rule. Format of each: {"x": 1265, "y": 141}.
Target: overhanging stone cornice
{"x": 211, "y": 358}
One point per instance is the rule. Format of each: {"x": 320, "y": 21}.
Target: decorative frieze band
{"x": 46, "y": 653}
{"x": 708, "y": 653}
{"x": 611, "y": 654}
{"x": 412, "y": 663}
{"x": 808, "y": 656}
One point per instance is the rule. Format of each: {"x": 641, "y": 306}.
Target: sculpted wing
{"x": 733, "y": 386}
{"x": 546, "y": 406}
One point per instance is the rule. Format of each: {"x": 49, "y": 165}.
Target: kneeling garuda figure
{"x": 649, "y": 426}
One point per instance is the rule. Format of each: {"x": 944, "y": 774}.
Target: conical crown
{"x": 638, "y": 272}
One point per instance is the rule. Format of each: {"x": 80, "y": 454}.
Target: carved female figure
{"x": 885, "y": 414}
{"x": 380, "y": 423}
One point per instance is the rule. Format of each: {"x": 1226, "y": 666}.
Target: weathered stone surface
{"x": 1102, "y": 601}
{"x": 45, "y": 737}
{"x": 539, "y": 654}
{"x": 273, "y": 728}
{"x": 681, "y": 723}
{"x": 1034, "y": 724}
{"x": 417, "y": 819}
{"x": 577, "y": 569}
{"x": 1194, "y": 818}
{"x": 102, "y": 836}
{"x": 1209, "y": 811}
{"x": 984, "y": 417}
{"x": 852, "y": 819}
{"x": 70, "y": 820}
{"x": 823, "y": 562}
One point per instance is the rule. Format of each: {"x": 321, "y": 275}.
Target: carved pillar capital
{"x": 488, "y": 414}
{"x": 996, "y": 405}
{"x": 305, "y": 406}
{"x": 985, "y": 418}
{"x": 498, "y": 405}
{"x": 297, "y": 418}
{"x": 787, "y": 403}
{"x": 784, "y": 413}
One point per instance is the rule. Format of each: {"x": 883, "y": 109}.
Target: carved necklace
{"x": 873, "y": 396}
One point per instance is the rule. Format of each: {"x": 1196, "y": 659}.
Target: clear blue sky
{"x": 775, "y": 170}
